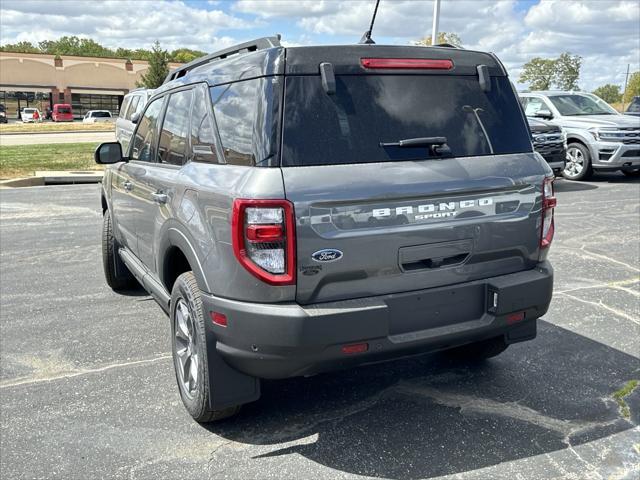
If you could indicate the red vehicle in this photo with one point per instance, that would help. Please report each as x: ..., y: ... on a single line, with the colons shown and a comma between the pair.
x: 62, y: 113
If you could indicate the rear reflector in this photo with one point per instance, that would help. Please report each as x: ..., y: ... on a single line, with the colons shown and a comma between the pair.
x: 515, y: 317
x: 407, y: 63
x: 219, y: 319
x: 355, y: 348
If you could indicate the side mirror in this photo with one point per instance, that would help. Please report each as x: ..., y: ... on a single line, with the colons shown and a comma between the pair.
x: 543, y: 114
x: 135, y: 117
x: 108, y: 153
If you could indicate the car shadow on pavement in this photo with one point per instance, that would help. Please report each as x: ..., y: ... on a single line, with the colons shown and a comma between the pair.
x: 427, y: 416
x: 570, y: 186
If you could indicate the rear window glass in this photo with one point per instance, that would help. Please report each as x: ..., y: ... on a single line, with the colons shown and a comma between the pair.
x: 100, y: 114
x: 366, y: 110
x: 64, y: 110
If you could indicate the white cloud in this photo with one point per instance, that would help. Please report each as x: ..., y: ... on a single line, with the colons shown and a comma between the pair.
x: 134, y: 24
x: 606, y: 33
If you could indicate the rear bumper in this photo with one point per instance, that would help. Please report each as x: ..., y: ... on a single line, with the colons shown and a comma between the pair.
x: 286, y: 340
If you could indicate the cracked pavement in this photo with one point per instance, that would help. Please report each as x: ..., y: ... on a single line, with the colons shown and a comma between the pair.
x: 87, y: 388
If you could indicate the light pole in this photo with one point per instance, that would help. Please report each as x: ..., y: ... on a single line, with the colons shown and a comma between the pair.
x: 436, y: 18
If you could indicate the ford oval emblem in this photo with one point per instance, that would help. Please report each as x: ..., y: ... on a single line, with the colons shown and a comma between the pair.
x: 327, y: 255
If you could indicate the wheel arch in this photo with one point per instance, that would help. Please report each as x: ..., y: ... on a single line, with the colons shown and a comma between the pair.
x: 178, y: 255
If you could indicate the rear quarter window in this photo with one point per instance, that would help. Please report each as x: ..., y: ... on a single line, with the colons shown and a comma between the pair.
x: 247, y: 117
x: 348, y: 126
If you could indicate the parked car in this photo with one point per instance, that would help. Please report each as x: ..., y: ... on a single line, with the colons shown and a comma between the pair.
x: 3, y: 114
x: 97, y: 116
x: 62, y: 113
x: 243, y: 204
x: 550, y: 141
x: 28, y: 115
x: 634, y: 107
x: 133, y: 104
x: 598, y: 137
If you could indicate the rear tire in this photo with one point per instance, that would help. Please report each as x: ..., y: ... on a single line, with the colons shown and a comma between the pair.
x: 116, y: 272
x: 479, y: 351
x: 578, y: 165
x: 189, y: 348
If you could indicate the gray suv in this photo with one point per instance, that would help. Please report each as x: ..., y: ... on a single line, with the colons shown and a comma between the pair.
x: 299, y: 210
x: 598, y: 137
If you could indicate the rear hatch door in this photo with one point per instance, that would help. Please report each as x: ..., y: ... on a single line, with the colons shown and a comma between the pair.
x: 374, y: 219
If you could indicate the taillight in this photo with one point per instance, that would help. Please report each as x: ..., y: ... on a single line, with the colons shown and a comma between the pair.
x: 548, y: 204
x: 407, y: 63
x: 263, y: 234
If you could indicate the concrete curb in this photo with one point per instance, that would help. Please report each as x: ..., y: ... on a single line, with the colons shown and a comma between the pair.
x: 54, y: 178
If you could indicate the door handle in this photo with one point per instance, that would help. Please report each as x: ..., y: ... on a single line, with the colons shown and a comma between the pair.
x: 159, y: 197
x: 127, y: 185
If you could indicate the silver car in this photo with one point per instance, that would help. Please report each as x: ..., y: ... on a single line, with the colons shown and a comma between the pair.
x: 133, y: 104
x: 598, y: 137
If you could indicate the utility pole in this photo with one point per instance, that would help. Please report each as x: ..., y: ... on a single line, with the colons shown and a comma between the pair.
x: 626, y: 79
x: 436, y: 18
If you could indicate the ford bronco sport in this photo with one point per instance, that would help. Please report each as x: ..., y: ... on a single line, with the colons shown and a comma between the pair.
x: 298, y: 210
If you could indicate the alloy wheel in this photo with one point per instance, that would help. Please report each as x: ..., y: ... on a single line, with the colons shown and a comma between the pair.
x: 187, y: 349
x: 575, y: 162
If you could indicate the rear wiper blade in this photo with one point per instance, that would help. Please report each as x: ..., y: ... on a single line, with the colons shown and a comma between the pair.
x: 416, y: 142
x: 436, y: 145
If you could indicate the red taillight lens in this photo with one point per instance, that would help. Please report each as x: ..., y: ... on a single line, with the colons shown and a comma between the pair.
x: 263, y: 234
x: 407, y: 63
x: 549, y: 202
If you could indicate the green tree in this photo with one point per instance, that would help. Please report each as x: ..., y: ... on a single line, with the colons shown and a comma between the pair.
x: 567, y: 71
x: 443, y: 37
x: 20, y: 47
x: 158, y: 68
x: 543, y: 73
x: 185, y: 55
x: 633, y: 87
x: 539, y: 73
x: 609, y: 93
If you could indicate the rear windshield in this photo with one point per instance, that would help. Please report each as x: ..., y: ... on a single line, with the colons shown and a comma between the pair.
x: 348, y: 126
x: 64, y: 110
x: 29, y: 110
x: 100, y: 114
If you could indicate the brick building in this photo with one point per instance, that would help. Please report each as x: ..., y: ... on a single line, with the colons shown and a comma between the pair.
x: 87, y: 83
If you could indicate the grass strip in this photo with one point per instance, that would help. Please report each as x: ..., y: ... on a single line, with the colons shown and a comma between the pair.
x: 55, y: 127
x: 23, y: 160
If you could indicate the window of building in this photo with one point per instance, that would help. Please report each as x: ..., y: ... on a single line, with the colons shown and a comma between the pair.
x: 143, y: 148
x: 173, y: 137
x: 203, y: 138
x: 83, y: 102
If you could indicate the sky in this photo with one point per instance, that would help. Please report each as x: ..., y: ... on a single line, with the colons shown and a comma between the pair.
x: 606, y: 33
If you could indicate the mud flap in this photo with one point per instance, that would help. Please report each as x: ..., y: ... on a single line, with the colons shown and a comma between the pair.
x: 228, y: 386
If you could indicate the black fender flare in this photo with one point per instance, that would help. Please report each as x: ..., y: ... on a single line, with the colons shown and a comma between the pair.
x: 174, y: 234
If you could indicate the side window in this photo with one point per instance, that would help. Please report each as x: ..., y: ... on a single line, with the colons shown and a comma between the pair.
x: 533, y: 105
x: 143, y: 145
x: 203, y: 138
x: 235, y: 109
x: 173, y: 136
x: 134, y: 106
x: 140, y: 106
x: 123, y: 107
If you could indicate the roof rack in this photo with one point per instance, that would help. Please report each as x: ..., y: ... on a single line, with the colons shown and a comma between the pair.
x: 246, y: 47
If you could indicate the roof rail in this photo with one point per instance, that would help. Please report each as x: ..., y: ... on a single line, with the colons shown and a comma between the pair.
x: 246, y: 47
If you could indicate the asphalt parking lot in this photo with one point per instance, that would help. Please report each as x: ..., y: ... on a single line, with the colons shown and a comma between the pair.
x: 87, y: 388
